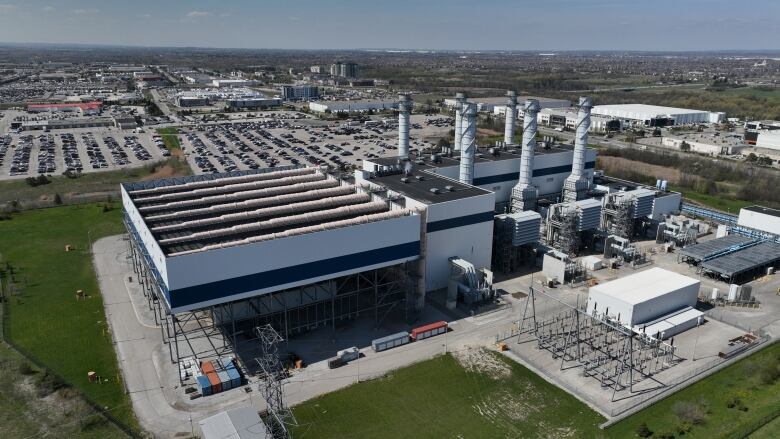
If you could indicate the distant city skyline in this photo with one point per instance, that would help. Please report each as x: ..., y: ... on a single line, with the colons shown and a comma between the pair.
x: 550, y: 25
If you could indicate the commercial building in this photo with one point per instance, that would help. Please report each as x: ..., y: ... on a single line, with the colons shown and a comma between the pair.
x: 567, y: 118
x: 192, y: 101
x: 653, y: 115
x: 84, y: 108
x: 352, y: 106
x: 80, y: 122
x: 726, y: 144
x: 344, y: 69
x: 125, y: 123
x: 253, y: 102
x: 497, y: 105
x: 232, y: 82
x: 300, y: 92
x: 656, y: 302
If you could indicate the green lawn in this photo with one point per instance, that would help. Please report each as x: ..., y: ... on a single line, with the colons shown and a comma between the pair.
x: 170, y: 137
x: 747, y: 380
x: 89, y: 183
x: 438, y: 398
x: 728, y: 205
x: 768, y: 431
x: 44, y: 318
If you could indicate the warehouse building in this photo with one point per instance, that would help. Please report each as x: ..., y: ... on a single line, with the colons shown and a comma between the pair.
x: 497, y: 105
x: 653, y: 115
x: 352, y: 106
x: 768, y: 139
x: 707, y: 144
x: 83, y: 108
x: 567, y: 118
x: 253, y: 103
x: 656, y: 302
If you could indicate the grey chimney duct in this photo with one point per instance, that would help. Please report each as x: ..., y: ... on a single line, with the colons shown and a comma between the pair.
x: 460, y: 98
x: 576, y: 185
x: 404, y: 109
x: 468, y: 143
x: 524, y: 194
x: 511, y: 117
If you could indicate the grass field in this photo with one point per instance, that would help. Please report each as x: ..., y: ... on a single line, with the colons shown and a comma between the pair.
x: 723, y: 204
x: 439, y: 398
x: 170, y: 137
x: 702, y: 408
x: 89, y: 184
x: 44, y: 318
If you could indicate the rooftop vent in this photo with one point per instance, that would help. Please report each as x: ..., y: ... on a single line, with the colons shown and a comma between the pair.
x: 434, y: 190
x: 419, y: 177
x: 405, y: 180
x: 450, y: 188
x: 420, y: 161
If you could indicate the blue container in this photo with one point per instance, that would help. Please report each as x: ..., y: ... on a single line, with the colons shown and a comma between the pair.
x: 226, y: 362
x: 204, y: 385
x: 227, y: 383
x: 235, y: 377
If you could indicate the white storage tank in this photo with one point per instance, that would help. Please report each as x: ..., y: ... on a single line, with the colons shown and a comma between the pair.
x: 643, y: 296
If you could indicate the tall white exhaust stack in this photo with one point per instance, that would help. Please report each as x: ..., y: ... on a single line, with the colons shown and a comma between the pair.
x: 460, y: 99
x: 576, y: 185
x: 524, y: 194
x: 404, y: 109
x: 511, y: 117
x: 468, y: 143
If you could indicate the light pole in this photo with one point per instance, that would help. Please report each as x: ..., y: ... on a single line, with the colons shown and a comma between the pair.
x: 696, y: 340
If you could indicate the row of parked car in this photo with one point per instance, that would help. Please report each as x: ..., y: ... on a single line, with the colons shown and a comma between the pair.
x: 20, y: 163
x: 96, y: 158
x: 46, y: 150
x: 70, y: 153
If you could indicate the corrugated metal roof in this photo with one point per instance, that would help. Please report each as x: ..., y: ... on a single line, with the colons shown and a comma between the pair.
x: 645, y: 285
x: 744, y: 260
x: 701, y: 250
x: 240, y: 423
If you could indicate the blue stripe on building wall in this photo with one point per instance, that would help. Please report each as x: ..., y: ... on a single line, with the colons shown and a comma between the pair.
x: 460, y: 221
x: 501, y: 178
x: 296, y: 273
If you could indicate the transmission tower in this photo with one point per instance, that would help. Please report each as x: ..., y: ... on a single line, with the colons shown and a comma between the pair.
x: 279, y: 415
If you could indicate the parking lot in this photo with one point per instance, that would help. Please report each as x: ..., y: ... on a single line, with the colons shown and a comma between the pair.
x: 32, y: 153
x: 232, y: 146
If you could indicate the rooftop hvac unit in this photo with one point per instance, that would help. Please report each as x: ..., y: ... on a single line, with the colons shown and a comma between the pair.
x: 524, y: 226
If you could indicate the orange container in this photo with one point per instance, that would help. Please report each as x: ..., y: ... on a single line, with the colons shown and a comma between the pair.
x: 216, y: 384
x: 207, y: 367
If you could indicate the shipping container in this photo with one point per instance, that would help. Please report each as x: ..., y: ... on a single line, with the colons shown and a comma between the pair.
x: 224, y: 378
x: 235, y: 377
x: 216, y: 386
x: 391, y: 341
x: 204, y: 385
x: 334, y: 363
x: 226, y: 363
x: 429, y: 330
x: 207, y: 367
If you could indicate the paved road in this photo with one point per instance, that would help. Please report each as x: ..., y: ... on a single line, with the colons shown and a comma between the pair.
x: 152, y: 381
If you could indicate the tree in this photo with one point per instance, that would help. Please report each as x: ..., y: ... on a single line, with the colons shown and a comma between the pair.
x: 57, y: 199
x: 643, y: 430
x: 685, y: 146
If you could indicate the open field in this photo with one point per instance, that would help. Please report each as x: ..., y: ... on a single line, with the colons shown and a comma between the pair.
x: 439, y: 398
x: 751, y: 386
x: 86, y: 187
x: 45, y: 318
x: 29, y: 409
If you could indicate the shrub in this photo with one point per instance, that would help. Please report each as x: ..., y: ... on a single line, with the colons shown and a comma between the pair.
x: 49, y: 383
x: 643, y: 430
x: 689, y: 412
x: 26, y: 369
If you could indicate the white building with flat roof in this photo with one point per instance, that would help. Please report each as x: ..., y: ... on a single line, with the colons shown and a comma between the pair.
x: 352, y: 106
x: 654, y: 115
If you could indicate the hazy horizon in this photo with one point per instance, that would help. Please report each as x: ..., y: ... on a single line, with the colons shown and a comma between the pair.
x: 437, y: 25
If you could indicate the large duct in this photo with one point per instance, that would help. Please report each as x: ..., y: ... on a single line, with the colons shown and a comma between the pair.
x: 524, y: 193
x: 468, y: 143
x: 404, y: 109
x: 460, y: 99
x: 511, y: 117
x: 576, y: 185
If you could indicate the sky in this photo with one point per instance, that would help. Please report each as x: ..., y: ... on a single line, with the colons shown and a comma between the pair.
x: 657, y: 25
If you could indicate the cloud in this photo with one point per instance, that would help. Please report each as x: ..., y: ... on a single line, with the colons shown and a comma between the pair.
x: 197, y: 14
x: 90, y: 11
x: 6, y: 7
x: 49, y: 9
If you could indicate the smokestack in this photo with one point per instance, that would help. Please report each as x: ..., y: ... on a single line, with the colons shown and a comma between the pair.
x: 404, y: 109
x: 460, y: 98
x: 576, y: 185
x: 524, y: 194
x: 511, y: 117
x: 468, y: 143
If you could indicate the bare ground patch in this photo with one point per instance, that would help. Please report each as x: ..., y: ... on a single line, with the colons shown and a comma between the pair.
x: 480, y: 360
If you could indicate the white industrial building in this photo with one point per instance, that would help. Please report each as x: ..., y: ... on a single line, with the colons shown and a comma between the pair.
x: 760, y: 218
x: 707, y: 144
x: 656, y: 302
x: 238, y: 423
x: 253, y: 102
x: 769, y: 139
x: 653, y: 115
x: 567, y: 118
x: 232, y: 82
x: 352, y: 106
x: 497, y: 105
